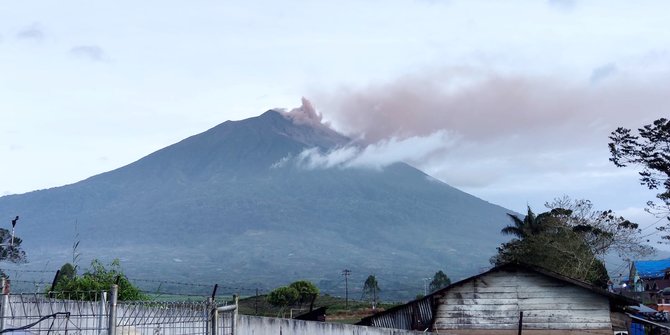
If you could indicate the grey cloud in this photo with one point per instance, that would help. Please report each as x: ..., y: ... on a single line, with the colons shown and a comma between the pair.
x: 601, y: 73
x: 501, y: 124
x: 484, y: 106
x: 90, y: 52
x: 32, y: 32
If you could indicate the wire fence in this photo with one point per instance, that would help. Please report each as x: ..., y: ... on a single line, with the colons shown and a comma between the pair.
x: 47, y: 313
x: 61, y: 313
x: 163, y: 317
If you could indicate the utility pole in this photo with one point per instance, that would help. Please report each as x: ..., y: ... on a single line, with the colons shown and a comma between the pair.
x: 346, y: 273
x: 425, y: 286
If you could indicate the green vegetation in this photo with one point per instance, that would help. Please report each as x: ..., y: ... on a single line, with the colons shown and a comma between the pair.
x: 440, y: 280
x: 337, y: 312
x: 571, y: 239
x: 66, y: 273
x: 96, y: 279
x: 307, y: 291
x: 371, y: 290
x: 297, y: 293
x: 10, y: 250
x: 283, y: 297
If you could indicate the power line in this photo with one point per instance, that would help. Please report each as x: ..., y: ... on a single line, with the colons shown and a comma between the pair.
x: 652, y: 224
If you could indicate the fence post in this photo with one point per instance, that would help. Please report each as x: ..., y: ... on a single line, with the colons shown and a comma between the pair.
x: 5, y: 303
x: 234, y: 320
x: 214, y: 319
x: 112, y: 309
x: 102, y: 313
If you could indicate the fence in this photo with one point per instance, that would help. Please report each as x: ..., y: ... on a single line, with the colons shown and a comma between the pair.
x: 59, y: 314
x: 257, y: 325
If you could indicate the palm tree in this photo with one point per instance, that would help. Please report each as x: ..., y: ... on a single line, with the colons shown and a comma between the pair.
x: 370, y: 289
x: 530, y: 225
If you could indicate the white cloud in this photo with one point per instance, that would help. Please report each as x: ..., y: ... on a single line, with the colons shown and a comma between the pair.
x: 377, y: 155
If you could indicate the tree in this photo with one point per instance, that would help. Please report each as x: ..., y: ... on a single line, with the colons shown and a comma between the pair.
x: 440, y: 280
x: 96, y: 279
x: 602, y: 230
x: 307, y: 291
x: 522, y: 228
x: 283, y: 297
x: 572, y: 241
x: 67, y: 273
x: 561, y: 251
x: 370, y: 290
x: 10, y: 248
x: 649, y: 149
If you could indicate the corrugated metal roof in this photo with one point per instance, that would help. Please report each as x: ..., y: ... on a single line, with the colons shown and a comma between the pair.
x: 652, y: 269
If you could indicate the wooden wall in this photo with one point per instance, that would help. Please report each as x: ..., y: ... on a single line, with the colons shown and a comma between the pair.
x: 495, y: 300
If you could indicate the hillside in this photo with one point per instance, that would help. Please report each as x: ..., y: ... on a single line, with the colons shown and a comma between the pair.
x: 216, y: 207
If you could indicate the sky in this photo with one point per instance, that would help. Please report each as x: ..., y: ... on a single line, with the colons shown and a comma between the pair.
x: 510, y: 101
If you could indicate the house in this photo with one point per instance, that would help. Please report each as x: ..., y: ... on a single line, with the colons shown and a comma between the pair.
x: 650, y: 282
x: 512, y: 297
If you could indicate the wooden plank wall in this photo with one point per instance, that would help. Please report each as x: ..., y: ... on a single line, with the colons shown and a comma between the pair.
x: 494, y: 301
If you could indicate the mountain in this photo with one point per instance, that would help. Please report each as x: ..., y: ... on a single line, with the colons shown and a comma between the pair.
x: 231, y: 205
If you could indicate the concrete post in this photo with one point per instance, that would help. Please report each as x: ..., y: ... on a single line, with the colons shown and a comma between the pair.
x: 4, y: 304
x: 234, y: 320
x: 114, y: 294
x: 102, y: 313
x: 214, y: 320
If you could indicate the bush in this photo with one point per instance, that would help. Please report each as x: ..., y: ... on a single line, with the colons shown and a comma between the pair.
x: 96, y: 279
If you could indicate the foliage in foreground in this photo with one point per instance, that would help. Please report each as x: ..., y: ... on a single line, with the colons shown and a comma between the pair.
x: 649, y: 149
x: 96, y: 279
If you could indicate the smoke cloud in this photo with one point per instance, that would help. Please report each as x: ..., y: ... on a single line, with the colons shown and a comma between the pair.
x: 502, y: 135
x: 488, y: 107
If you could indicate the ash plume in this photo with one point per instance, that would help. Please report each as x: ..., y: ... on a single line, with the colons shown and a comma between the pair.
x: 360, y: 154
x: 304, y: 115
x: 504, y: 130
